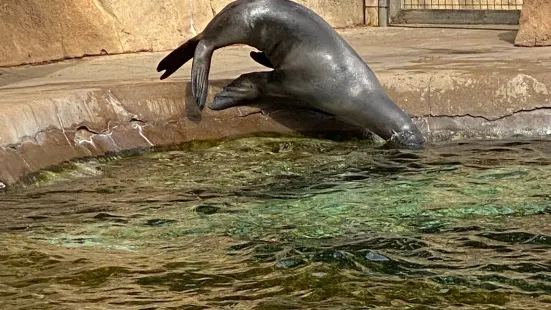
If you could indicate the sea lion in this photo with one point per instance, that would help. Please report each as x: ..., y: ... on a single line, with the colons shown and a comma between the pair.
x: 312, y: 65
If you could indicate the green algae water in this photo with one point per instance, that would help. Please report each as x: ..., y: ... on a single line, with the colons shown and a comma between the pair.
x: 285, y: 223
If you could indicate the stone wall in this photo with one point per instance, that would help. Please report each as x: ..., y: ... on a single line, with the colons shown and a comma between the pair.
x: 33, y: 31
x: 535, y: 24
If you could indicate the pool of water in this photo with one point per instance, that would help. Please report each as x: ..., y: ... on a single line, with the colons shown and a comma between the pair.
x: 285, y: 223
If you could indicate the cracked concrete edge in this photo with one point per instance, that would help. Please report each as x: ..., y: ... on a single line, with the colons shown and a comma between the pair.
x: 96, y: 121
x: 491, y: 95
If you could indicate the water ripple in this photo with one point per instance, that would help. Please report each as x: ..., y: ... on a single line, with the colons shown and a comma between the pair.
x: 285, y: 223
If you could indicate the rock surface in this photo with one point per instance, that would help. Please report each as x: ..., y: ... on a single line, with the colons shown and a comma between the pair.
x: 34, y: 31
x: 535, y: 24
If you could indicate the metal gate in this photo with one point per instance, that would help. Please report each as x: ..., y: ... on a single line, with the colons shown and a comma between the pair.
x: 456, y: 11
x: 462, y: 4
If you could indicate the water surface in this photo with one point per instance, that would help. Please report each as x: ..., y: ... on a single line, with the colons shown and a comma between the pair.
x: 285, y: 223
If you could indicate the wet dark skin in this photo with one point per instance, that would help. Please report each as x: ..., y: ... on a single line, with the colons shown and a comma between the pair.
x: 312, y: 66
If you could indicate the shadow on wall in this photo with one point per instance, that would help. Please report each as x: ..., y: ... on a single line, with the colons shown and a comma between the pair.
x: 508, y: 36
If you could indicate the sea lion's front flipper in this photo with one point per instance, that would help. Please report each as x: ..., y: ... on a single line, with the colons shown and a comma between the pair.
x: 200, y: 73
x: 262, y: 59
x: 241, y: 91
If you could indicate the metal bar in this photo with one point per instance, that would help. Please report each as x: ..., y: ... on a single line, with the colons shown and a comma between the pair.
x: 383, y: 13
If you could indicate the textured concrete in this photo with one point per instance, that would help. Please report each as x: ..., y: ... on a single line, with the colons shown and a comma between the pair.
x: 33, y: 31
x: 458, y: 83
x: 535, y: 24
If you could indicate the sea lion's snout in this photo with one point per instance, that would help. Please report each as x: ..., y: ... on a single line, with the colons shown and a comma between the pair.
x: 410, y: 138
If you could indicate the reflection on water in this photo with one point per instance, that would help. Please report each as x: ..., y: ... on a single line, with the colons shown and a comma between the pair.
x: 285, y: 223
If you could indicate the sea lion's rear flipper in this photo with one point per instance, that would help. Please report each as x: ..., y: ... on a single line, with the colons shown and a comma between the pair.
x: 262, y: 59
x: 200, y: 73
x: 241, y: 91
x: 177, y: 58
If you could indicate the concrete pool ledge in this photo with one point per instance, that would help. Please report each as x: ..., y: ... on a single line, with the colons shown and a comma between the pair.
x: 457, y: 83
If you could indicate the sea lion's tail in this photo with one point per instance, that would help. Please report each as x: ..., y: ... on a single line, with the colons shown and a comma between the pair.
x: 178, y: 57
